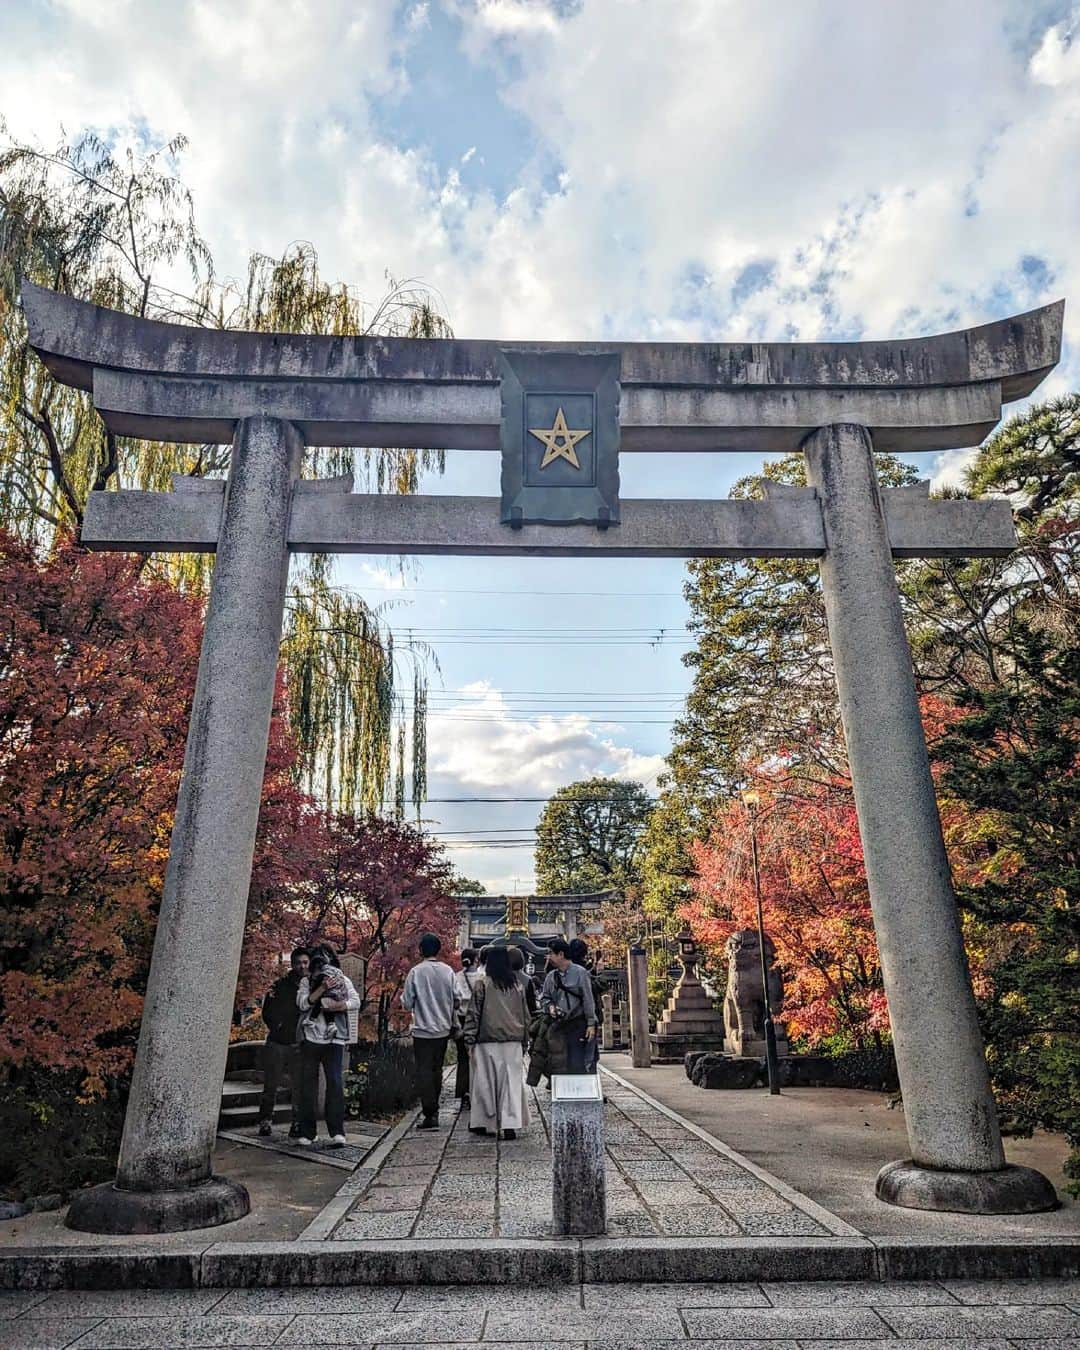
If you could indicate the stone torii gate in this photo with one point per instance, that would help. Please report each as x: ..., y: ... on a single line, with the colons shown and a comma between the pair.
x: 270, y: 394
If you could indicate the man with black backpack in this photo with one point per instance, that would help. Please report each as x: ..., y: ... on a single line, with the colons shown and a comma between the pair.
x: 567, y: 998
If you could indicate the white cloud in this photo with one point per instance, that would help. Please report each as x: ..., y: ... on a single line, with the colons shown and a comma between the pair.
x: 480, y: 748
x: 738, y: 171
x: 481, y: 744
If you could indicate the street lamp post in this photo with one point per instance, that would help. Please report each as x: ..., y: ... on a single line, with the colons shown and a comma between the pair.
x: 750, y: 800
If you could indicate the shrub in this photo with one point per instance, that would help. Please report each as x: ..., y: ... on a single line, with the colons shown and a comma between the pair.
x: 382, y: 1080
x: 76, y: 1141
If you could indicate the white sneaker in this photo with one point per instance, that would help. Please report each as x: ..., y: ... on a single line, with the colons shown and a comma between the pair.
x: 305, y: 1143
x: 338, y: 1140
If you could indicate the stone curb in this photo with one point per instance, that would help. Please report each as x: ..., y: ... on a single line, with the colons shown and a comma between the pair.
x: 515, y: 1261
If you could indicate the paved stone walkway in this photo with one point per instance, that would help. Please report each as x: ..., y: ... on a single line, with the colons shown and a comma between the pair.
x: 946, y: 1316
x: 663, y: 1179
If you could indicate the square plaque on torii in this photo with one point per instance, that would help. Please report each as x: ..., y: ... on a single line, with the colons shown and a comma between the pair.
x: 560, y: 438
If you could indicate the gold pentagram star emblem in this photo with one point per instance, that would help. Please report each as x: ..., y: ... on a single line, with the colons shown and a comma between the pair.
x: 560, y: 441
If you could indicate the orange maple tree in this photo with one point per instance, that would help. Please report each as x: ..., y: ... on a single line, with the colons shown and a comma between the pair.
x: 97, y: 674
x: 815, y: 904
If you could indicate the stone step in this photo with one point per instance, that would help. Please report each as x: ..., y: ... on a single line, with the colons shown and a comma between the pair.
x: 691, y: 1026
x: 226, y: 1264
x: 247, y: 1094
x: 234, y: 1117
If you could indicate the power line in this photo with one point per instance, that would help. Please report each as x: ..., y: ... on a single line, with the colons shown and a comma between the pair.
x: 444, y: 590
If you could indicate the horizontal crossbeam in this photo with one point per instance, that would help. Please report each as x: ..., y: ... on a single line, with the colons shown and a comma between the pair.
x: 466, y: 416
x: 75, y: 338
x: 787, y: 524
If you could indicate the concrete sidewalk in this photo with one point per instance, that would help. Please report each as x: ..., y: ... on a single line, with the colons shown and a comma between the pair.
x: 828, y: 1144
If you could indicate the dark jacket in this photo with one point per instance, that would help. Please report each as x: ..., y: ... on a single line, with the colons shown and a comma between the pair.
x: 279, y: 1010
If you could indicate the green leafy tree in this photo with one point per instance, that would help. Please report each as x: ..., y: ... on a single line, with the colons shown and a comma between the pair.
x: 997, y: 638
x: 763, y: 682
x: 120, y: 231
x: 462, y: 885
x: 1014, y: 755
x: 590, y: 837
x: 667, y: 867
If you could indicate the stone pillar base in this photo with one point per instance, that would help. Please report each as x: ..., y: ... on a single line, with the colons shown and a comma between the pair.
x: 108, y: 1209
x: 579, y: 1199
x: 1009, y: 1190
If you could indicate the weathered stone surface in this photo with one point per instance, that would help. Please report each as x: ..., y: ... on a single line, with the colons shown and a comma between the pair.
x: 950, y: 1113
x: 171, y: 1119
x: 727, y: 1071
x: 73, y: 337
x: 198, y: 1333
x: 772, y: 1323
x: 442, y: 415
x: 872, y: 1069
x: 1024, y: 1322
x: 343, y: 522
x: 681, y: 1258
x: 37, y: 1268
x: 912, y: 1258
x: 690, y: 1021
x: 1008, y: 1190
x: 744, y: 999
x: 42, y: 1204
x: 637, y: 979
x: 13, y: 1209
x: 110, y: 1208
x: 578, y: 1196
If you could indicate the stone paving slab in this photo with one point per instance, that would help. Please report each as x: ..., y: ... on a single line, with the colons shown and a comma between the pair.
x: 126, y: 1303
x: 362, y: 1139
x: 44, y: 1334
x: 1025, y: 1321
x: 778, y: 1323
x: 799, y: 1315
x: 663, y: 1181
x: 1065, y: 1291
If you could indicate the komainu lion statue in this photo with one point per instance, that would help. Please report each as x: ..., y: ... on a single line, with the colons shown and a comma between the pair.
x: 744, y: 1000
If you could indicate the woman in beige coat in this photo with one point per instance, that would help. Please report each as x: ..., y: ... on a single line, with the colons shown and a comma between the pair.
x: 497, y: 1031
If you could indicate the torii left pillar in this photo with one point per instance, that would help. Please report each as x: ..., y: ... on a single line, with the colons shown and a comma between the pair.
x: 164, y: 1181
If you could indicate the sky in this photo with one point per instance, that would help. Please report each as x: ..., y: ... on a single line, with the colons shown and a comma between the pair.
x: 612, y: 169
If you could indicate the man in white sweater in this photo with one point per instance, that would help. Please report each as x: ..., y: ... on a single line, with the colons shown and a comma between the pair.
x: 429, y: 996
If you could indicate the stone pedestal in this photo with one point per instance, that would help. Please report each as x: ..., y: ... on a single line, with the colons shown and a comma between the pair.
x: 607, y: 1031
x: 637, y: 978
x: 164, y: 1180
x: 689, y: 1022
x: 578, y: 1197
x: 951, y: 1119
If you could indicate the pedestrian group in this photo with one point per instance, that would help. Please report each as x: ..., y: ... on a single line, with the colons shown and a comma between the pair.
x: 490, y: 1009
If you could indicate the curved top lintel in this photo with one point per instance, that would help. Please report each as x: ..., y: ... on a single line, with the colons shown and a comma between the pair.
x: 73, y: 337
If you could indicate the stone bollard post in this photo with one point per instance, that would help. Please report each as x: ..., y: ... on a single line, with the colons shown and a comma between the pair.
x: 607, y: 1031
x: 957, y: 1160
x: 637, y: 972
x: 164, y: 1181
x: 578, y: 1196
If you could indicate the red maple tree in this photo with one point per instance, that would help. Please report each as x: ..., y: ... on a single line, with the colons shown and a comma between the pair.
x: 380, y: 886
x: 97, y: 674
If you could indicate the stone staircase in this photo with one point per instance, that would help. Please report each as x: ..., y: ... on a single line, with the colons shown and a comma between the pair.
x: 242, y: 1089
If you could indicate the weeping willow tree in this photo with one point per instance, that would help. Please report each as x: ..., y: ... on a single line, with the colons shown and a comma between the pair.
x: 118, y: 229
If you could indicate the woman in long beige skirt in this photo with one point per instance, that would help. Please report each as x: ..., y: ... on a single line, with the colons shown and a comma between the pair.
x: 496, y: 1031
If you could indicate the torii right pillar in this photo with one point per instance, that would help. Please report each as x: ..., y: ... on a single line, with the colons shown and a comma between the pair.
x: 957, y: 1162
